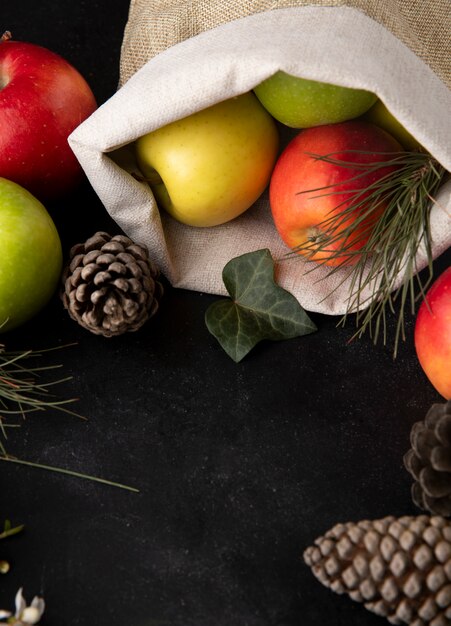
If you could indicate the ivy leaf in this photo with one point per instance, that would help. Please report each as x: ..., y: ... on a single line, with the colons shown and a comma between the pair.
x: 258, y: 309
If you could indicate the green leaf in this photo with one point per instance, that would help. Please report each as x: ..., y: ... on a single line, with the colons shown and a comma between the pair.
x: 258, y: 309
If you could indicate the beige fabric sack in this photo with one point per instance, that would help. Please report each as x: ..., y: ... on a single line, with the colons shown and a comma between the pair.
x: 180, y: 56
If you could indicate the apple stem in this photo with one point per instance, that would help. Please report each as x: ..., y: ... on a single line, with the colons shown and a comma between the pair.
x: 315, y: 234
x: 6, y: 36
x: 154, y: 179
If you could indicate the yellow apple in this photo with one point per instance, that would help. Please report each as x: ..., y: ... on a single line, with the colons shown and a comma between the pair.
x: 381, y: 116
x: 209, y: 167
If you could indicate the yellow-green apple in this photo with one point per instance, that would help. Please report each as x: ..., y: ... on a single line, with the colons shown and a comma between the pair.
x: 302, y: 103
x: 30, y: 258
x: 43, y: 98
x: 209, y: 167
x: 379, y: 114
x: 432, y: 336
x: 306, y: 191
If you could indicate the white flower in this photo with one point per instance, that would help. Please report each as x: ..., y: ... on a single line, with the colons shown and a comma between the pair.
x: 25, y: 615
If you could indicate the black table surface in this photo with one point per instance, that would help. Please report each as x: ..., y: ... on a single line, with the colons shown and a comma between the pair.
x: 239, y: 466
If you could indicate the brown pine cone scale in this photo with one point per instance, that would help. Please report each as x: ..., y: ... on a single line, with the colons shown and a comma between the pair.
x: 399, y: 568
x: 110, y: 285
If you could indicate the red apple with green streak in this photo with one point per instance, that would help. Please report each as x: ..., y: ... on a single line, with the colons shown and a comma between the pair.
x: 306, y: 191
x: 43, y: 98
x: 433, y: 334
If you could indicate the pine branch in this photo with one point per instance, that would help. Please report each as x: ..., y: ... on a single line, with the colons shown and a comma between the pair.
x: 388, y: 243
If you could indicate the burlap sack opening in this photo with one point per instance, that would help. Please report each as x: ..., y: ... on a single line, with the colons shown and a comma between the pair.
x: 339, y: 45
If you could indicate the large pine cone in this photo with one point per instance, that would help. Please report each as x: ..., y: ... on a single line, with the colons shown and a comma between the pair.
x: 110, y: 286
x: 429, y: 460
x: 400, y: 568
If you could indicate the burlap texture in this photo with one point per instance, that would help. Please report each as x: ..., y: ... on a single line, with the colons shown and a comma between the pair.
x: 339, y: 44
x: 155, y: 25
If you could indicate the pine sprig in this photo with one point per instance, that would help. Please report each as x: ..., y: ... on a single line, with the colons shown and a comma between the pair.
x: 23, y: 392
x: 379, y: 247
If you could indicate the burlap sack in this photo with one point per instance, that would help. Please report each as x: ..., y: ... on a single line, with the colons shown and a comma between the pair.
x: 181, y: 56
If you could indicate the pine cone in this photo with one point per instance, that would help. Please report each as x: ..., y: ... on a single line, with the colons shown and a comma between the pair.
x: 110, y: 286
x: 400, y: 568
x: 429, y: 460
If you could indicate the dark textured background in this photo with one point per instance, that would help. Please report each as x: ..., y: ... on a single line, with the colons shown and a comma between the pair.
x: 239, y: 466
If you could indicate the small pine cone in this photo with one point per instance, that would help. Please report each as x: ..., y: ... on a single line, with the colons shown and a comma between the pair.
x: 110, y: 286
x: 399, y: 568
x: 429, y: 460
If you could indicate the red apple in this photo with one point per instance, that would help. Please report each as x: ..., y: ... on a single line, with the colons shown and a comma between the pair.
x: 433, y: 334
x: 299, y: 212
x: 42, y: 100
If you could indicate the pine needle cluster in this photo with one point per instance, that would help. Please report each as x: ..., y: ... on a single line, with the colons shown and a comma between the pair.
x: 382, y: 272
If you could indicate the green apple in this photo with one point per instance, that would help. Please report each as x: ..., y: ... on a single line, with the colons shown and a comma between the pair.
x: 301, y: 103
x: 30, y: 257
x: 379, y: 114
x: 209, y: 167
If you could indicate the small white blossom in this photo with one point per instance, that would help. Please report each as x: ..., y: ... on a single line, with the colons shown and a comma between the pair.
x: 25, y: 615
